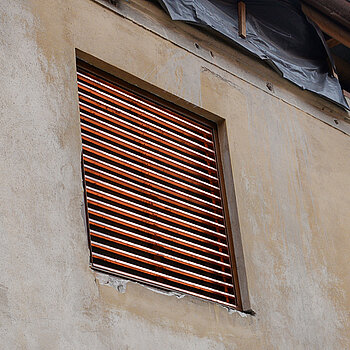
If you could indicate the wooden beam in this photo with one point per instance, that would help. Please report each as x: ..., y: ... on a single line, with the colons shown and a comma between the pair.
x: 331, y: 69
x: 242, y: 27
x: 332, y: 43
x: 343, y: 69
x: 328, y: 26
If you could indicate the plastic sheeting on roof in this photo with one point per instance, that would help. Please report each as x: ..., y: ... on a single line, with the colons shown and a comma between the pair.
x: 277, y: 32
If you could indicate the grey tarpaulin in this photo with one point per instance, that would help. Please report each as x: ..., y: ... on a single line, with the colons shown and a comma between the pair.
x: 277, y: 31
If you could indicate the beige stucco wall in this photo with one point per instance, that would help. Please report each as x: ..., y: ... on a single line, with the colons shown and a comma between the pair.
x: 290, y: 166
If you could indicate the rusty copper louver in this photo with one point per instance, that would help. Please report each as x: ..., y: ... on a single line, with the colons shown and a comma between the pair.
x: 154, y: 206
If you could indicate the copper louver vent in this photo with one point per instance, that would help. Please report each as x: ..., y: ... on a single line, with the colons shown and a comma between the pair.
x: 154, y: 205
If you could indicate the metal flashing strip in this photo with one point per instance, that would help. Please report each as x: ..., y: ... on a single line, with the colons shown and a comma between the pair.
x: 152, y: 186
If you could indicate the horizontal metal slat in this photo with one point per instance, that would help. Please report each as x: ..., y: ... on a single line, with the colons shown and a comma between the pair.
x: 158, y: 185
x: 162, y: 234
x: 115, y: 149
x: 131, y: 136
x: 184, y: 248
x: 169, y: 180
x: 146, y: 152
x: 160, y: 264
x: 148, y: 191
x: 143, y: 112
x: 107, y: 116
x: 156, y: 223
x: 143, y: 103
x: 149, y: 210
x: 154, y: 242
x: 108, y: 107
x: 159, y: 274
x: 153, y: 202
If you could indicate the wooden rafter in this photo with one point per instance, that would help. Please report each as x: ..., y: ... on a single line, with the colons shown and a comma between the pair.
x: 328, y: 26
x: 332, y: 43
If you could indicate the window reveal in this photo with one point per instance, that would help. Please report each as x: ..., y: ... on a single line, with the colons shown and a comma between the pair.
x: 152, y: 185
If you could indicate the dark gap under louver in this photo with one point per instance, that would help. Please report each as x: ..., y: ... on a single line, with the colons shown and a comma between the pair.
x: 154, y: 206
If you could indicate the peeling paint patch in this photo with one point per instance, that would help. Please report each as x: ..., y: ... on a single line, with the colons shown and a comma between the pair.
x: 233, y: 311
x: 165, y: 292
x: 120, y: 285
x: 117, y: 283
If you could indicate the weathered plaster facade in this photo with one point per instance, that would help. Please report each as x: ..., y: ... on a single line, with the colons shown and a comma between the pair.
x: 289, y: 152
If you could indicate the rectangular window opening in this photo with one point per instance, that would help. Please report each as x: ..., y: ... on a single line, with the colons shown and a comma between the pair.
x: 154, y: 200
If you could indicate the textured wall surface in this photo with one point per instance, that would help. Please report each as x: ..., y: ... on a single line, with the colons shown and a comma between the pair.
x: 290, y: 165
